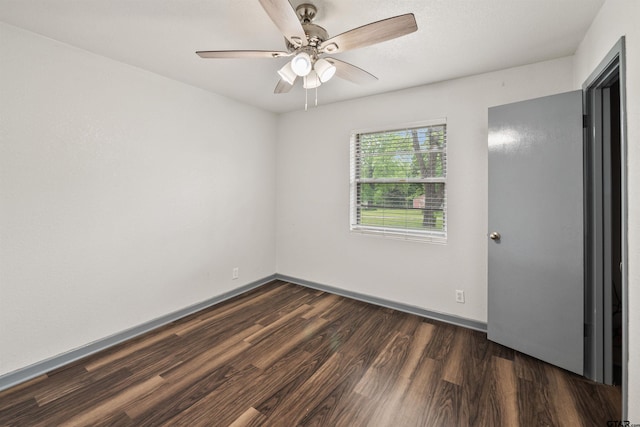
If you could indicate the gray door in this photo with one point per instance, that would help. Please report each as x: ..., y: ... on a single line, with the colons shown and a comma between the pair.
x: 536, y: 291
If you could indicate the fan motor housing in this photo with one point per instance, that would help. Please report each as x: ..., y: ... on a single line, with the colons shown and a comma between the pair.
x: 315, y: 35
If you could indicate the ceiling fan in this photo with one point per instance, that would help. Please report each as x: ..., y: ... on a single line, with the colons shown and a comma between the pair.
x: 308, y: 44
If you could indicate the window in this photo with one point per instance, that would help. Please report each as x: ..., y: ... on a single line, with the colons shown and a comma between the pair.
x: 398, y: 182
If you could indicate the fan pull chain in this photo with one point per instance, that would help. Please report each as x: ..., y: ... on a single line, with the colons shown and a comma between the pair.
x: 305, y: 98
x: 316, y: 96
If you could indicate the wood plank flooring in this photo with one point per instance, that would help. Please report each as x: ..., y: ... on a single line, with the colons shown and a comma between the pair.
x: 285, y: 355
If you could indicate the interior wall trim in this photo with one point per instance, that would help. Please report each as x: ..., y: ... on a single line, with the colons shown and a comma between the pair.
x: 447, y: 318
x: 39, y: 368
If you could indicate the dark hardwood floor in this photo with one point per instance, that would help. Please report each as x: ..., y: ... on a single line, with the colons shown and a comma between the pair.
x: 285, y: 355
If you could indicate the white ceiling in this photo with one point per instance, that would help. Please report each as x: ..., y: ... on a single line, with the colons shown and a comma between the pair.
x: 455, y: 38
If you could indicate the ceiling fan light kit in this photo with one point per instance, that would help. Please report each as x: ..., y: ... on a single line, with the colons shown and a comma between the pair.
x: 311, y: 80
x: 307, y: 42
x: 287, y: 74
x: 325, y: 69
x: 301, y: 64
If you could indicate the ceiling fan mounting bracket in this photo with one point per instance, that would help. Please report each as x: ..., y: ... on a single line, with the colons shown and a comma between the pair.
x: 306, y: 12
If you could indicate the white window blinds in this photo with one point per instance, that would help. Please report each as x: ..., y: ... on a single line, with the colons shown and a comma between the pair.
x: 398, y: 182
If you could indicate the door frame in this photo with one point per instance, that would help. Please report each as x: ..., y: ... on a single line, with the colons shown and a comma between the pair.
x: 597, y: 293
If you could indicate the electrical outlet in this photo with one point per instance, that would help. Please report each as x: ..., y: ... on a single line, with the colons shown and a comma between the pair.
x: 236, y: 273
x: 460, y: 296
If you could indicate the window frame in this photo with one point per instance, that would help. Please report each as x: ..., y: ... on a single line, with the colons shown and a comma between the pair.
x: 427, y: 236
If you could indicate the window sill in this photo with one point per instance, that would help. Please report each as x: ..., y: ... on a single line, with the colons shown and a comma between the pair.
x: 399, y: 234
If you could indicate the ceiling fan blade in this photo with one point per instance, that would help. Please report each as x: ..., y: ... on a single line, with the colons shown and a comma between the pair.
x: 369, y: 34
x: 350, y: 72
x: 240, y: 54
x: 283, y: 87
x: 286, y: 19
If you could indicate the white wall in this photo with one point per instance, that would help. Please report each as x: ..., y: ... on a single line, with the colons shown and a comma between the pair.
x: 313, y: 237
x: 621, y: 18
x: 124, y: 196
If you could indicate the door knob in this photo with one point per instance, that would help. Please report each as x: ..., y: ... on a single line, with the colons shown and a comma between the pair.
x: 495, y: 235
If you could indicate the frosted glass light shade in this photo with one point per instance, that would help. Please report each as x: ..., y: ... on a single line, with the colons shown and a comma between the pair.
x: 301, y: 64
x: 286, y: 73
x: 325, y: 69
x: 312, y: 80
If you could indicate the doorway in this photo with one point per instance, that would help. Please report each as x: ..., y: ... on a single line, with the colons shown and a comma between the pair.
x: 606, y: 222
